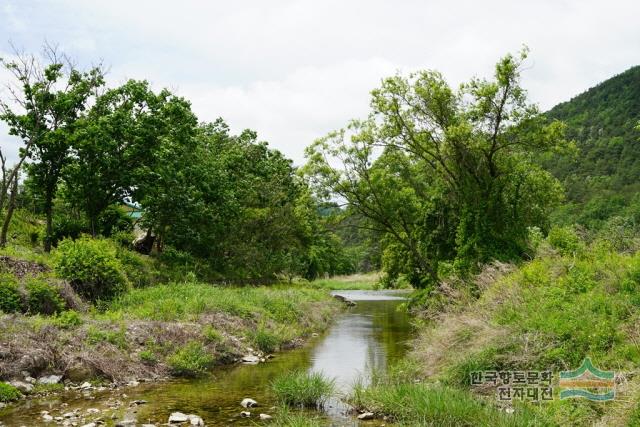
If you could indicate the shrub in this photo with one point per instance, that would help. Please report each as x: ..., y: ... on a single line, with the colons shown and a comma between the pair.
x: 68, y: 319
x: 148, y: 357
x: 112, y: 220
x: 92, y: 268
x: 565, y: 240
x: 138, y: 269
x: 303, y: 389
x: 212, y: 335
x: 117, y: 338
x: 8, y: 392
x: 43, y: 297
x: 10, y: 300
x: 47, y: 388
x: 192, y: 360
x: 263, y: 339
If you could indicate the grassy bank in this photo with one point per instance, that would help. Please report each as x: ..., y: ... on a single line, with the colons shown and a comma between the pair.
x: 574, y: 300
x: 368, y: 281
x: 180, y: 328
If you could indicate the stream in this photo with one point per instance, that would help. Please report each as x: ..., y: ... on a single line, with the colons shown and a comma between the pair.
x: 370, y: 336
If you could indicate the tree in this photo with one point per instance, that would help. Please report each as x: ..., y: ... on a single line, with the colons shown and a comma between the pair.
x: 47, y: 101
x: 114, y: 146
x: 446, y: 175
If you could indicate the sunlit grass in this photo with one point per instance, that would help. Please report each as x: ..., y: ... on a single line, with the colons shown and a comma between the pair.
x: 299, y: 388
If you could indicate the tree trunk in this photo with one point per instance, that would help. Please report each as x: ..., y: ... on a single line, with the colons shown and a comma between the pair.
x: 49, y: 233
x: 10, y: 208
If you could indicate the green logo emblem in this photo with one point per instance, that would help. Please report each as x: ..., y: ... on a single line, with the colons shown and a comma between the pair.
x: 587, y: 381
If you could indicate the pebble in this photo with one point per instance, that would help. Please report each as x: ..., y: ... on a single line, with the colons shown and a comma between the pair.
x: 178, y: 417
x: 245, y: 414
x: 248, y: 403
x: 366, y: 416
x: 265, y: 417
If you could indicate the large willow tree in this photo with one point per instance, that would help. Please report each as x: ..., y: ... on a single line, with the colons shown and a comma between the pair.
x: 444, y: 174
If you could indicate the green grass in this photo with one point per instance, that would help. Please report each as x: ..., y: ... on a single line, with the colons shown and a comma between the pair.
x: 8, y: 392
x: 286, y: 417
x: 118, y: 338
x: 189, y: 301
x: 549, y: 314
x: 368, y: 281
x: 47, y: 388
x: 304, y: 389
x: 192, y: 360
x: 425, y: 405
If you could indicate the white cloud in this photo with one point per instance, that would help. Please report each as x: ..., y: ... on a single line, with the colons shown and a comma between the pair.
x: 295, y: 69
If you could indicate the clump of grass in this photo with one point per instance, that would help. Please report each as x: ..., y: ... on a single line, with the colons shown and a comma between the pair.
x: 303, y: 389
x: 265, y: 340
x: 67, y: 319
x: 148, y: 357
x: 47, y: 388
x: 192, y: 360
x: 8, y: 393
x: 285, y: 417
x: 117, y: 338
x: 212, y: 335
x: 368, y: 281
x: 422, y: 404
x: 10, y: 300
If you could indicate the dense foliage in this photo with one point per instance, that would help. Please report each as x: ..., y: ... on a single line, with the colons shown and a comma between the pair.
x: 92, y: 268
x: 603, y: 178
x: 443, y: 176
x: 226, y: 206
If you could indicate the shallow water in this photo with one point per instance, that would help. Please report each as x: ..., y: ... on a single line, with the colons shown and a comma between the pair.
x: 371, y: 335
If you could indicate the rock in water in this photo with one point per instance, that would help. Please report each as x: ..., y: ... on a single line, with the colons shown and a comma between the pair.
x: 265, y: 417
x: 250, y: 359
x: 50, y: 379
x: 195, y: 420
x: 248, y: 403
x: 366, y: 416
x: 178, y: 417
x: 245, y: 414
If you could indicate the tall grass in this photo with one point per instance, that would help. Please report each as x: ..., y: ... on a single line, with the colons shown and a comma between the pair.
x: 188, y: 301
x: 426, y: 405
x: 304, y: 389
x: 368, y: 281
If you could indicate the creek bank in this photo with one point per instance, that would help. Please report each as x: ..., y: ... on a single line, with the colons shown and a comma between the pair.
x: 123, y: 347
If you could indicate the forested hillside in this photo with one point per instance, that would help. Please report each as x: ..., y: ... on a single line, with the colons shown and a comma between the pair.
x: 603, y: 176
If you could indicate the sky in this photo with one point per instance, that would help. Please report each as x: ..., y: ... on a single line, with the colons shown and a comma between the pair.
x: 294, y: 70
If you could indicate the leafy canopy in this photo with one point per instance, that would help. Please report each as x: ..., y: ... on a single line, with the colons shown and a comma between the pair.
x: 445, y: 175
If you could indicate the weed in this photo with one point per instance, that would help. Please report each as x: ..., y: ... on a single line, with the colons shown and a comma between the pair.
x: 8, y: 392
x: 192, y: 360
x: 303, y: 389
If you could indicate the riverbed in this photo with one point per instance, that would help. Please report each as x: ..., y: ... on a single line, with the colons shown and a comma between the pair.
x: 369, y: 336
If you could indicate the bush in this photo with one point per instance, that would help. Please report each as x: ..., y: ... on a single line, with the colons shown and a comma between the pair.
x: 117, y: 338
x: 303, y: 389
x: 10, y: 300
x: 112, y: 220
x: 148, y: 357
x: 68, y: 319
x: 192, y: 360
x: 43, y: 297
x: 8, y: 392
x: 92, y: 268
x: 265, y: 340
x: 212, y: 335
x: 138, y: 269
x: 565, y: 240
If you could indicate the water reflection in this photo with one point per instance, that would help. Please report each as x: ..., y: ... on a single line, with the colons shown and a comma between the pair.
x: 367, y: 337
